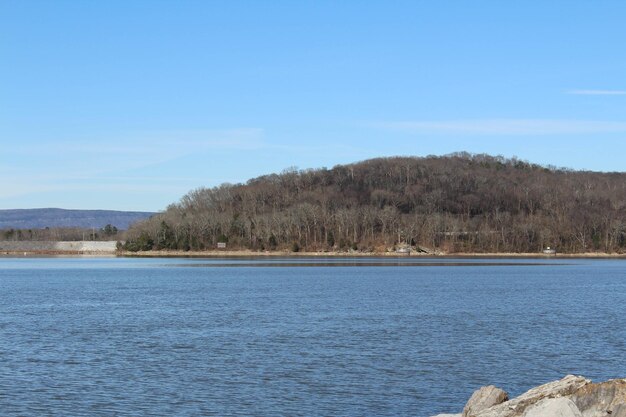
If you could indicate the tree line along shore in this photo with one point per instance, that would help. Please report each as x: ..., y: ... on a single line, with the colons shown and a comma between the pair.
x: 455, y: 204
x: 459, y: 204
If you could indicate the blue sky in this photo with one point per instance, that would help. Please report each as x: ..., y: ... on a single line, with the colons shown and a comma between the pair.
x: 130, y: 104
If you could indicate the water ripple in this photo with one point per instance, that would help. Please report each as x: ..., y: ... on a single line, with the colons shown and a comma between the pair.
x: 155, y: 340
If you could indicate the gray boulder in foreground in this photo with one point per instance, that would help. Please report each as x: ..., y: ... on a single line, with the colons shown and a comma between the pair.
x: 572, y: 396
x: 553, y: 407
x: 595, y: 400
x: 484, y: 398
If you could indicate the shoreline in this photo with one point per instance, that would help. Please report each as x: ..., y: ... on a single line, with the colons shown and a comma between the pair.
x: 276, y: 254
x: 287, y: 254
x: 43, y: 254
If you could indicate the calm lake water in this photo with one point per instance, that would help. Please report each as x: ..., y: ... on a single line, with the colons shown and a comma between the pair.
x: 293, y: 337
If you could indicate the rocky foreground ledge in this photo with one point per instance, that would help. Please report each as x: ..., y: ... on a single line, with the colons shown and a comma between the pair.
x: 572, y: 396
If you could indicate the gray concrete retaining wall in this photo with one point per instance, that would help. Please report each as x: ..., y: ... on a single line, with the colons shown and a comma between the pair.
x: 72, y: 247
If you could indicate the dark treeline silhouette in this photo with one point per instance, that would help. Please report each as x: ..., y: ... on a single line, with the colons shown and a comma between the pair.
x: 107, y: 232
x: 40, y: 218
x: 456, y: 203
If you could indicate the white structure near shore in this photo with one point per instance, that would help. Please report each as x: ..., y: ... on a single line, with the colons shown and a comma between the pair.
x: 80, y: 247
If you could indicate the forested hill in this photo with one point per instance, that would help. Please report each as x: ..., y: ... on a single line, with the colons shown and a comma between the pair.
x: 57, y: 218
x: 456, y: 203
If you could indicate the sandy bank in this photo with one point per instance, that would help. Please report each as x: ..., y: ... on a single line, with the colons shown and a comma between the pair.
x: 249, y: 253
x: 109, y: 248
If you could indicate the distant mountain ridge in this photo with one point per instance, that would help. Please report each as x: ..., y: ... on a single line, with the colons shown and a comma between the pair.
x: 56, y: 217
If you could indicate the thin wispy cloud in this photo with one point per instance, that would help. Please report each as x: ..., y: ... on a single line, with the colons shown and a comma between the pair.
x: 26, y: 188
x: 98, y: 154
x: 150, y: 143
x: 121, y: 164
x: 528, y: 127
x: 597, y: 92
